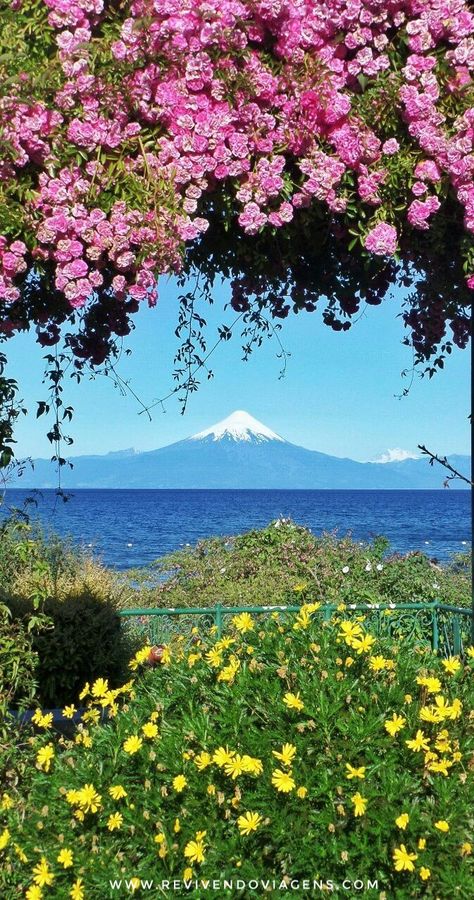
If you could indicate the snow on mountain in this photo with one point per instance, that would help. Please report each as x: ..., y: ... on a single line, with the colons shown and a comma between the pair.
x: 396, y: 454
x: 239, y: 426
x: 243, y: 454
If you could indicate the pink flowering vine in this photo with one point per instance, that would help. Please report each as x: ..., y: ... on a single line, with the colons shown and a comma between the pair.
x: 141, y: 131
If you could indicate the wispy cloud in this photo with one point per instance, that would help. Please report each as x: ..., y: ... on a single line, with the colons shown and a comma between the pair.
x: 396, y: 454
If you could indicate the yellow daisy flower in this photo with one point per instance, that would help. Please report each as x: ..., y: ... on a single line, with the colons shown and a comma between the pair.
x: 249, y: 822
x: 77, y: 890
x: 114, y: 822
x: 88, y: 799
x: 243, y: 622
x: 117, y: 792
x: 179, y: 783
x: 194, y: 851
x: 395, y: 724
x: 451, y: 665
x: 363, y: 644
x: 283, y: 781
x: 222, y: 755
x: 42, y: 875
x: 4, y: 838
x: 65, y: 858
x: 133, y: 744
x: 432, y: 685
x: 235, y: 767
x: 349, y: 631
x: 286, y: 754
x: 7, y: 802
x: 100, y: 687
x: 20, y: 853
x: 202, y: 760
x: 292, y: 701
x: 355, y: 773
x: 214, y: 658
x: 377, y: 663
x: 44, y: 757
x: 403, y: 860
x: 360, y: 804
x: 150, y: 730
x: 420, y: 742
x: 34, y: 892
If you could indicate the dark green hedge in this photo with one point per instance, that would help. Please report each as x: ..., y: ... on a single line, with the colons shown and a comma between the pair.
x: 84, y: 642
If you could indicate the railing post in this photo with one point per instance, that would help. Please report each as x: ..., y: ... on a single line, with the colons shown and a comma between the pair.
x: 435, y: 630
x: 456, y: 636
x: 218, y: 620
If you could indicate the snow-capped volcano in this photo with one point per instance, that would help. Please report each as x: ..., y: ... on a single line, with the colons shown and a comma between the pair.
x: 239, y: 453
x: 239, y: 426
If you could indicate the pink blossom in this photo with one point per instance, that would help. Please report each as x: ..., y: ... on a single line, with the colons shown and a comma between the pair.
x: 390, y: 147
x: 259, y: 101
x: 76, y: 269
x: 382, y: 240
x: 420, y: 211
x: 427, y: 170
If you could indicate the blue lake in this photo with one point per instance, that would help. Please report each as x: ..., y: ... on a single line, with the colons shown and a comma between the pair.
x: 133, y: 527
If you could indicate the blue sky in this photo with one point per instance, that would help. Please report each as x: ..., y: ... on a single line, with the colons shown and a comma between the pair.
x: 339, y: 394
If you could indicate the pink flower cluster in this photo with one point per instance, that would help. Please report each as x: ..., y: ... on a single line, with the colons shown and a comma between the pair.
x: 12, y: 256
x: 258, y: 100
x: 382, y: 239
x: 26, y: 131
x: 84, y: 241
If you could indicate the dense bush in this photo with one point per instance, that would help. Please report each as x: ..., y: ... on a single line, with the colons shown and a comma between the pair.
x: 301, y: 750
x: 18, y: 659
x: 285, y: 563
x: 59, y: 617
x: 18, y: 664
x: 33, y: 561
x: 84, y: 640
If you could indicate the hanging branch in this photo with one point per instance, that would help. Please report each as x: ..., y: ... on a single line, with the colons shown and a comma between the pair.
x: 442, y: 460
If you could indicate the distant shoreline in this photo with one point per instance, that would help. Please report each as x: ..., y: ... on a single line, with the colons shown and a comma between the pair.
x: 446, y: 491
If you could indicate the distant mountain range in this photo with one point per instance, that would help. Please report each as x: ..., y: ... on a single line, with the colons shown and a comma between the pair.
x: 240, y: 452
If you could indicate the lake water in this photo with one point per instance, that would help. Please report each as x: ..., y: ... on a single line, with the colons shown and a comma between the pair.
x: 133, y: 527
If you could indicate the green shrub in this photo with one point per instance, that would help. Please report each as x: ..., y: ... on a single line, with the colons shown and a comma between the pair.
x: 18, y: 658
x: 83, y: 640
x: 284, y: 563
x: 33, y: 561
x: 18, y: 664
x: 297, y: 750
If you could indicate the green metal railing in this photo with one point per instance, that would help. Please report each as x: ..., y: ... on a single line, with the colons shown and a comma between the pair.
x: 448, y: 629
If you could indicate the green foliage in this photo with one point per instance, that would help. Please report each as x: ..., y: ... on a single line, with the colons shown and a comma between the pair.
x: 18, y: 663
x: 84, y: 640
x: 18, y: 658
x: 11, y: 409
x: 26, y: 550
x: 285, y: 563
x: 59, y: 606
x: 233, y: 694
